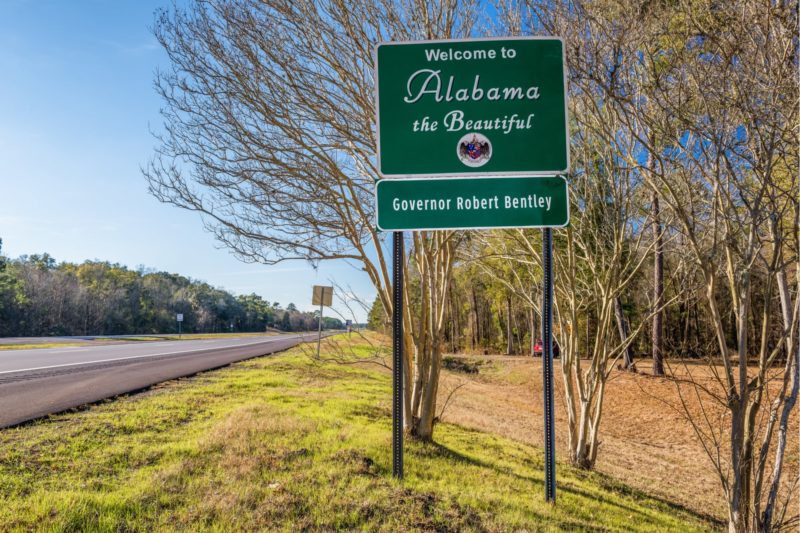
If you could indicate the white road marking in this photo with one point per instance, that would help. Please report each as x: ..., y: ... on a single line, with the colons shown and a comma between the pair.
x: 140, y: 356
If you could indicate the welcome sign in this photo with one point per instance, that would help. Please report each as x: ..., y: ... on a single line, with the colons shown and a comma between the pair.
x: 477, y: 107
x: 476, y: 130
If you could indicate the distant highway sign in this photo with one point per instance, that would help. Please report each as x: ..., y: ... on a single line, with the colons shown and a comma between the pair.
x: 322, y: 295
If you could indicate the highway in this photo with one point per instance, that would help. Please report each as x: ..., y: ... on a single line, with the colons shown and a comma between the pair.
x: 37, y: 382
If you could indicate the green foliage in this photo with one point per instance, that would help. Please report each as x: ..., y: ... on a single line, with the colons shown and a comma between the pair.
x: 286, y: 323
x: 281, y: 444
x: 39, y: 296
x: 377, y: 318
x: 329, y: 322
x: 11, y: 295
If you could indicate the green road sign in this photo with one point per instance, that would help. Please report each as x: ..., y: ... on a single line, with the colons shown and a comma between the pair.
x: 475, y: 107
x: 472, y: 203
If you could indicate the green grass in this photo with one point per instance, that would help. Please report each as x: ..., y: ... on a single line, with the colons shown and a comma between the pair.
x: 135, y: 338
x: 189, y: 336
x: 28, y: 346
x: 281, y: 443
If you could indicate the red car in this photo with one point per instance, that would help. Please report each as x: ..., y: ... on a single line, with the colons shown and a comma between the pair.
x: 538, y: 345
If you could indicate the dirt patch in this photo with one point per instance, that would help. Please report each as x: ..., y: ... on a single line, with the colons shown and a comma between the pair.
x: 645, y: 443
x: 357, y: 461
x: 434, y: 514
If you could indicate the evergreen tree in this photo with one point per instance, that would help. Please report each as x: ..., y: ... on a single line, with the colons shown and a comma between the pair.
x: 286, y: 323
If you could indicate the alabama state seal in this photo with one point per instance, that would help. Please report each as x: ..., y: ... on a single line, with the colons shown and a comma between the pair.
x: 474, y: 150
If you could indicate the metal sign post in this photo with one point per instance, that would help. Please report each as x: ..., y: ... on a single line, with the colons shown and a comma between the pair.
x: 547, y: 367
x: 321, y: 295
x: 397, y: 355
x: 179, y: 318
x: 319, y: 330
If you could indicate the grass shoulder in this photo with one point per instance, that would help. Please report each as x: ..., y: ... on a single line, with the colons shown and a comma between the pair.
x: 285, y: 443
x: 39, y: 345
x: 65, y: 342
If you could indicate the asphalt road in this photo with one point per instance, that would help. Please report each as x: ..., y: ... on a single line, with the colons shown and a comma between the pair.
x: 38, y: 382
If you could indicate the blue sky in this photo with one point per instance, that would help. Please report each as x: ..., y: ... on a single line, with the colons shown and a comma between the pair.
x: 76, y: 109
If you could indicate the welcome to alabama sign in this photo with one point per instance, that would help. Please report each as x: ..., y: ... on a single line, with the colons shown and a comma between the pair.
x: 481, y: 107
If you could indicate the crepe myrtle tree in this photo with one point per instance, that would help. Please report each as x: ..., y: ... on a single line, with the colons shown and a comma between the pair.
x: 710, y: 91
x: 597, y: 258
x: 601, y: 254
x: 269, y: 134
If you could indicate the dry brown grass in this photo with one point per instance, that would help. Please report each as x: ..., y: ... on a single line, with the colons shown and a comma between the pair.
x: 645, y: 443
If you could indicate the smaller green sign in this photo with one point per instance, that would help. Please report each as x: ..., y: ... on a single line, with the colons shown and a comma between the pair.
x: 472, y: 203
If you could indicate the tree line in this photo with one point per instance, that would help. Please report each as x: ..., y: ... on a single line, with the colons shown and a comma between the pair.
x: 486, y: 315
x: 684, y: 239
x: 41, y: 297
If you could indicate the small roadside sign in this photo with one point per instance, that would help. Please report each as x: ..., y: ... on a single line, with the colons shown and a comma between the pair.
x: 180, y: 317
x: 322, y: 295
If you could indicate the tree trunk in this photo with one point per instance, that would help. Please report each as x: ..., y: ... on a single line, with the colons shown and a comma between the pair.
x: 658, y: 289
x: 624, y: 333
x: 589, y: 314
x: 793, y: 376
x: 475, y: 329
x: 685, y: 315
x: 424, y: 429
x: 509, y: 338
x: 580, y: 455
x: 434, y: 261
x: 741, y: 466
x: 518, y: 333
x: 533, y: 330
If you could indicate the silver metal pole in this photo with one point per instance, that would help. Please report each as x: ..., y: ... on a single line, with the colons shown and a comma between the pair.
x: 319, y: 327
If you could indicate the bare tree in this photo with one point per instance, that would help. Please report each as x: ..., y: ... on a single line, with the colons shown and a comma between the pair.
x: 728, y: 174
x: 269, y: 135
x: 432, y: 266
x: 624, y: 332
x: 658, y: 287
x: 597, y: 257
x: 708, y: 93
